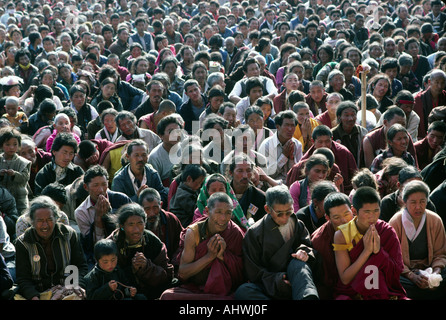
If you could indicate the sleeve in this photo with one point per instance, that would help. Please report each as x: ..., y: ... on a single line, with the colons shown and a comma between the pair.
x: 158, y: 271
x: 21, y: 177
x: 236, y: 91
x: 24, y: 281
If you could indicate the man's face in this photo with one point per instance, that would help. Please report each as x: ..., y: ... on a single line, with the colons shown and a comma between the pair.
x: 317, y: 93
x: 123, y: 36
x: 435, y: 139
x: 156, y: 94
x: 44, y: 223
x: 311, y: 33
x: 96, y: 187
x: 48, y: 46
x: 167, y: 138
x: 348, y: 119
x: 255, y: 93
x: 340, y: 215
x: 252, y: 70
x: 242, y: 174
x: 280, y: 213
x: 152, y: 209
x: 127, y: 126
x: 193, y: 92
x: 437, y: 84
x: 138, y: 158
x: 133, y: 229
x: 368, y: 215
x: 63, y: 156
x: 219, y: 216
x: 322, y: 142
x: 286, y: 130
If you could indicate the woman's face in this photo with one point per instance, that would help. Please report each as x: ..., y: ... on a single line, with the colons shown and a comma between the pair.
x: 266, y: 108
x: 317, y: 173
x: 216, y: 186
x: 108, y: 90
x: 400, y: 142
x: 78, y: 99
x: 302, y: 115
x: 337, y: 83
x: 215, y: 103
x: 110, y: 123
x: 62, y: 125
x: 416, y: 205
x: 255, y: 121
x: 65, y: 74
x: 48, y: 80
x: 323, y: 56
x: 142, y: 67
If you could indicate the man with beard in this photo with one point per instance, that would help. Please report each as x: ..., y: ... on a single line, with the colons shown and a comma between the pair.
x: 94, y: 216
x: 164, y: 224
x: 127, y: 124
x: 155, y: 91
x: 277, y: 252
x: 347, y: 132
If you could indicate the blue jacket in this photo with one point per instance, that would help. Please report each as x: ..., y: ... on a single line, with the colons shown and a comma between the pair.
x: 122, y: 183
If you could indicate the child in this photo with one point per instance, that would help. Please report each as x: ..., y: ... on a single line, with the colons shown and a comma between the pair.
x: 17, y: 118
x: 14, y: 169
x: 184, y: 201
x: 104, y: 281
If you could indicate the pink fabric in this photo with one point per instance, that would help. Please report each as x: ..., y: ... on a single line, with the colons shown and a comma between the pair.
x: 49, y: 142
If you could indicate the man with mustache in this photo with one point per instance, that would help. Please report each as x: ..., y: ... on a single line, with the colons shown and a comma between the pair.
x: 250, y: 198
x: 155, y: 90
x: 138, y: 175
x: 94, y: 215
x: 210, y: 255
x: 277, y: 254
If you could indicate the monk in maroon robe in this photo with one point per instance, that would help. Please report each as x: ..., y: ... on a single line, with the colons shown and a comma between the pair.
x: 368, y: 254
x: 210, y: 256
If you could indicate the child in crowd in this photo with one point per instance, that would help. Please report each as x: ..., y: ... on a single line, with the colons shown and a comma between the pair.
x: 107, y: 281
x: 17, y: 118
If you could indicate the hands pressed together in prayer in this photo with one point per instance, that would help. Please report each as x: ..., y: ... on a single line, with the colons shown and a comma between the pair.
x: 372, y: 241
x: 216, y: 247
x: 139, y: 261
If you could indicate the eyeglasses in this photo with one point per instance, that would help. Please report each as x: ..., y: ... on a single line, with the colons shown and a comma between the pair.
x: 282, y: 213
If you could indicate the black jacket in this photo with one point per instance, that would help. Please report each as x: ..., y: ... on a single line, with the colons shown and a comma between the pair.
x: 47, y: 175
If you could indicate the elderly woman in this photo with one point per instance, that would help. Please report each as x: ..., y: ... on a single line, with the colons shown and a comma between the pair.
x: 423, y: 244
x: 36, y: 271
x: 62, y: 123
x: 397, y: 141
x: 336, y: 83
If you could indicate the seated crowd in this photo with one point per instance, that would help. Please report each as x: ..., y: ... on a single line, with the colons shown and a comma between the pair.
x: 206, y: 150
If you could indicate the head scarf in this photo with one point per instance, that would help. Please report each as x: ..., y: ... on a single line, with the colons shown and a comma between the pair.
x: 237, y: 212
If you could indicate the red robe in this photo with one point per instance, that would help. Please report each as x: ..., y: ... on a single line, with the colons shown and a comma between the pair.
x: 222, y: 277
x: 389, y: 262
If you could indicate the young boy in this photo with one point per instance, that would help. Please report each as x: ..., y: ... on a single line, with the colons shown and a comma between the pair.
x: 107, y: 281
x: 184, y: 201
x: 367, y: 253
x: 17, y: 118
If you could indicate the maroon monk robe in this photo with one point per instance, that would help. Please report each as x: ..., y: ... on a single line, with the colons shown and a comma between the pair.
x: 322, y: 239
x: 222, y: 277
x: 389, y: 263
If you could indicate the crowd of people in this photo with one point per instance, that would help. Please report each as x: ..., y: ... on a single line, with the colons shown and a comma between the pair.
x: 221, y: 150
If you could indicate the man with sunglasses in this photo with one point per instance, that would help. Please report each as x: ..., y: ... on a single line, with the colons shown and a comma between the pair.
x: 277, y: 254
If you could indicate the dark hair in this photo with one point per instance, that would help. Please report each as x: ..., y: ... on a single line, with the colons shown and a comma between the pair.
x: 253, y: 82
x: 64, y: 139
x: 321, y: 130
x: 86, y: 149
x: 364, y: 177
x: 409, y: 172
x: 389, y: 63
x: 321, y: 189
x: 164, y: 122
x: 415, y: 187
x: 344, y: 105
x: 219, y: 197
x: 248, y: 62
x: 93, y: 172
x: 437, y: 126
x: 253, y: 110
x: 47, y: 106
x: 365, y: 195
x: 56, y: 191
x: 150, y: 195
x: 136, y: 143
x: 8, y: 133
x: 287, y: 114
x: 125, y: 115
x: 104, y: 247
x: 314, y: 160
x: 129, y: 210
x: 194, y: 171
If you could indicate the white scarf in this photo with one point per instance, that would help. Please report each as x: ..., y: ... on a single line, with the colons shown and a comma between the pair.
x: 409, y: 226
